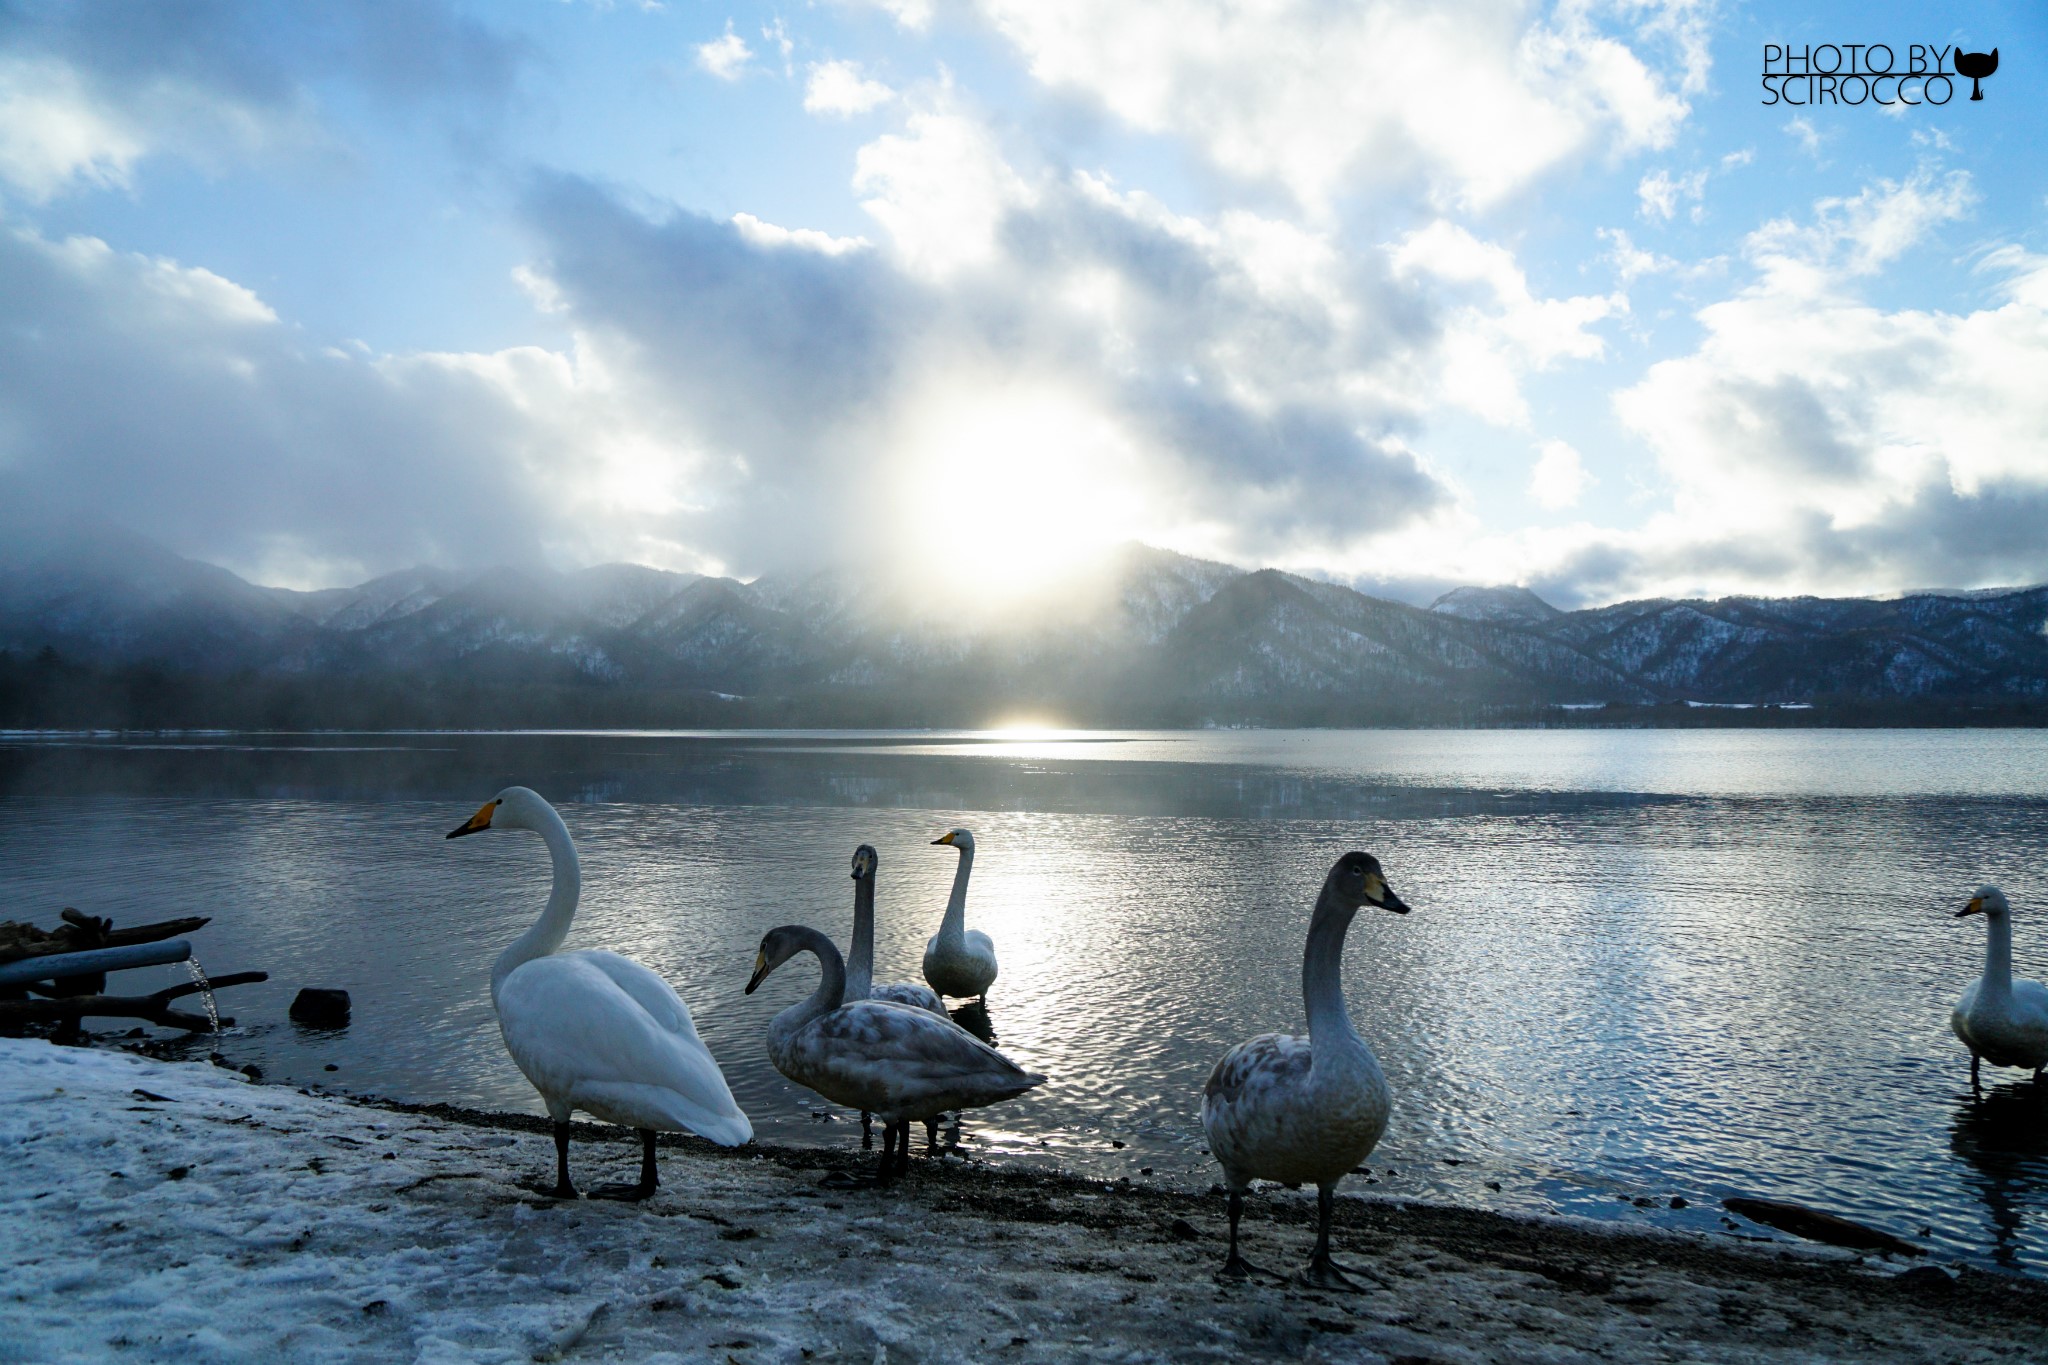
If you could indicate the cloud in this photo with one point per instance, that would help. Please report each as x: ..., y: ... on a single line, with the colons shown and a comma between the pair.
x: 1472, y: 100
x: 1630, y: 261
x: 1813, y: 437
x: 838, y: 89
x: 232, y: 438
x: 53, y: 135
x: 1559, y: 478
x: 942, y: 189
x: 1660, y: 194
x: 1495, y: 328
x: 725, y: 57
x: 1223, y: 372
x: 87, y: 91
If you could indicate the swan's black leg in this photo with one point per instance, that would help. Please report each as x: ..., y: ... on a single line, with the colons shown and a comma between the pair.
x: 1975, y: 1084
x: 563, y: 1189
x: 867, y: 1131
x: 931, y: 1136
x: 903, y: 1147
x: 887, y: 1170
x: 1237, y: 1267
x: 648, y: 1182
x: 1323, y: 1272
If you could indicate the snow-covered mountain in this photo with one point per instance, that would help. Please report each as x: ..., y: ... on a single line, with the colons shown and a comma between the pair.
x: 1159, y: 638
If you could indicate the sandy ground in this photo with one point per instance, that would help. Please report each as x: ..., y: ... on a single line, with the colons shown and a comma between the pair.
x: 177, y: 1212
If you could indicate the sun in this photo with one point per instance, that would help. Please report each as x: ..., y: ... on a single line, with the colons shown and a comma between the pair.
x: 1011, y: 488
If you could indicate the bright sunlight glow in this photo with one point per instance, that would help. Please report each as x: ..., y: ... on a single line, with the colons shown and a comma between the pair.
x: 1012, y: 487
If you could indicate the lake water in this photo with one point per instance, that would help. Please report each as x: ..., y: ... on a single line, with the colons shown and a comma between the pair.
x: 1642, y: 964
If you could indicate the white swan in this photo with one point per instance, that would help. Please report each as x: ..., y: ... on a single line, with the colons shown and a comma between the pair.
x: 2002, y: 1021
x: 888, y: 1059
x: 959, y: 961
x: 596, y: 1031
x: 1280, y: 1107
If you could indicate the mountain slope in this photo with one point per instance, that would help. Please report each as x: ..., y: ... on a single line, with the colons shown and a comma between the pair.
x: 1157, y: 638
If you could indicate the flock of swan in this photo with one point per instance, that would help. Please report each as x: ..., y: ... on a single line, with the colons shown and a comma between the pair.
x: 600, y: 1032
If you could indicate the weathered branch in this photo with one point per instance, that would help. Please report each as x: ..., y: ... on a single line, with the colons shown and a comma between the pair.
x: 156, y: 1007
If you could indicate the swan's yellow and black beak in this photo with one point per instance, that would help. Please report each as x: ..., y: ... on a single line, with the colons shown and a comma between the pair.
x: 760, y: 972
x: 1975, y: 907
x: 943, y: 839
x: 1379, y: 893
x: 480, y: 821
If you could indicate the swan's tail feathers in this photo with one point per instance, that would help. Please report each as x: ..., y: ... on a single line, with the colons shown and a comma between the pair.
x: 665, y: 1110
x: 730, y: 1130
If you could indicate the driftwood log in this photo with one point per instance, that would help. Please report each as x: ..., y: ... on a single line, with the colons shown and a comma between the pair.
x: 69, y: 999
x: 1817, y: 1226
x: 80, y: 933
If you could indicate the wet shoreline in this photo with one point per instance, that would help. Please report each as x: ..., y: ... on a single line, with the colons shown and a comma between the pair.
x: 179, y: 1211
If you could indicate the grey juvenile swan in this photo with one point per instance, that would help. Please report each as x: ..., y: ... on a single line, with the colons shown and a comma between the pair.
x: 959, y: 961
x: 888, y: 1059
x: 860, y: 951
x: 860, y: 965
x: 1292, y: 1109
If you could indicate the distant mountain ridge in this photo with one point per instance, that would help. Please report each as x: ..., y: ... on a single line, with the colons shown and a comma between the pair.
x: 1162, y: 639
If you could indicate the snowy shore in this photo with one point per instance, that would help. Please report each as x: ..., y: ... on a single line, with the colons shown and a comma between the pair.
x: 154, y: 1211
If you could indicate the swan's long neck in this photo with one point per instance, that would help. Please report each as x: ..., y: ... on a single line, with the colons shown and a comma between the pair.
x: 831, y: 990
x: 1997, y: 957
x: 860, y: 954
x: 1322, y: 982
x: 552, y: 927
x: 955, y: 922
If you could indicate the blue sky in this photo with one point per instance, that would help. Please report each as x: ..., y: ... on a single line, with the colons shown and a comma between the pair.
x: 1407, y: 295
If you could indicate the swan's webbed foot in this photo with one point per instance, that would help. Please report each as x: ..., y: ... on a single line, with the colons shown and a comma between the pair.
x: 643, y: 1188
x: 562, y: 1190
x: 1237, y: 1270
x: 630, y: 1194
x: 1325, y: 1273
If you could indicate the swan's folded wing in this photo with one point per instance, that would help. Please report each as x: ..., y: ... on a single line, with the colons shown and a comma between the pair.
x: 1256, y: 1065
x: 2030, y: 1002
x: 646, y: 987
x: 910, y: 994
x: 577, y: 1033
x: 912, y: 1055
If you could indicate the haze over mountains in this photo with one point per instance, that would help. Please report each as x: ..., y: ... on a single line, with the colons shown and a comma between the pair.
x: 1158, y: 639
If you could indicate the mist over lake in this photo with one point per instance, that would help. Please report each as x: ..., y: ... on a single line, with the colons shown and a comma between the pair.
x: 1641, y: 964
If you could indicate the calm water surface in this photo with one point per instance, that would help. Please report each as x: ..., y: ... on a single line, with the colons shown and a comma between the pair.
x: 1642, y: 964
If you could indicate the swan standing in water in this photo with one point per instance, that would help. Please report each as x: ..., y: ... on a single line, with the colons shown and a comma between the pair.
x: 959, y: 961
x: 860, y: 969
x: 2002, y: 1021
x: 1292, y: 1109
x: 860, y: 952
x: 890, y: 1060
x: 596, y: 1031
